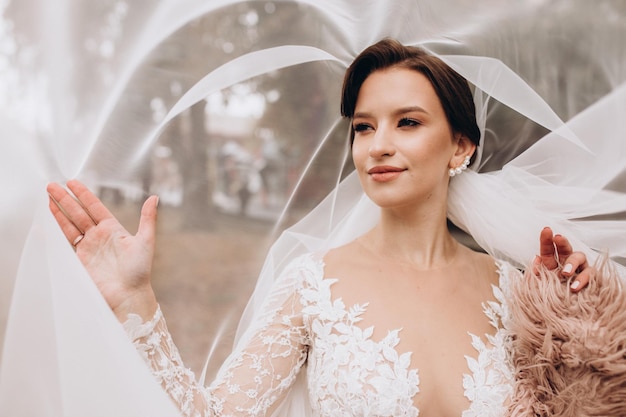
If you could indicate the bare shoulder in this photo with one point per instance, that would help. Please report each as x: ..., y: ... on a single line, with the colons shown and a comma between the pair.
x: 341, y: 254
x: 345, y: 260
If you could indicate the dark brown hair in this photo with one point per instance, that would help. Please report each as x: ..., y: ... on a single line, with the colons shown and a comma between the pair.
x: 452, y: 89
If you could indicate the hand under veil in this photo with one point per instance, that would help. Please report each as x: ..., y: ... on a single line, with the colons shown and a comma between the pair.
x: 64, y: 353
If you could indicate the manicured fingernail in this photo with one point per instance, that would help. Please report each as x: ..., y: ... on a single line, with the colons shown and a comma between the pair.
x: 567, y: 269
x: 575, y: 285
x: 156, y: 203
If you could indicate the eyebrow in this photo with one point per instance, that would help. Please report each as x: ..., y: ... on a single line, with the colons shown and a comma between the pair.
x: 401, y: 110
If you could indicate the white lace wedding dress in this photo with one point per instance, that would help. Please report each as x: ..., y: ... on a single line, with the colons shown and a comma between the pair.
x: 348, y: 373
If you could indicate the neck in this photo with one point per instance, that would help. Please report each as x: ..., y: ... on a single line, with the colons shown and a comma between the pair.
x: 418, y: 237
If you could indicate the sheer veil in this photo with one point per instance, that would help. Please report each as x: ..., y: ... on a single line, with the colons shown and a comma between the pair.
x: 549, y: 86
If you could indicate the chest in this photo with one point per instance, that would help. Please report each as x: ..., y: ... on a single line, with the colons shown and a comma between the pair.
x: 385, y: 358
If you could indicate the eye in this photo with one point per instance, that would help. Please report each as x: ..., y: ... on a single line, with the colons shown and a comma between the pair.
x: 406, y: 122
x: 361, y: 127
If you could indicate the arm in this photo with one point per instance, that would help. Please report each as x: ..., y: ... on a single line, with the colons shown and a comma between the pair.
x: 254, y: 378
x: 252, y: 381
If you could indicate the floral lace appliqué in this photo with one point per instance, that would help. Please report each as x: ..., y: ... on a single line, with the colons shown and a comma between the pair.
x: 253, y: 380
x: 491, y: 382
x: 349, y: 373
x: 352, y: 375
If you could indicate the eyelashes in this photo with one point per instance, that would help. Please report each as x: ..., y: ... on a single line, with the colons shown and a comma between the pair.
x: 408, y: 122
x: 403, y: 122
x: 361, y: 127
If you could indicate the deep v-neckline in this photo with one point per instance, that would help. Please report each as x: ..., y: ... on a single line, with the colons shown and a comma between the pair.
x: 487, y: 387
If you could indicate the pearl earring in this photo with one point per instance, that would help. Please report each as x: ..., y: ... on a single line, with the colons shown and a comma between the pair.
x: 459, y: 170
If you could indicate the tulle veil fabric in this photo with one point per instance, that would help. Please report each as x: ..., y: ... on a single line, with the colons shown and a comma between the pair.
x: 550, y: 91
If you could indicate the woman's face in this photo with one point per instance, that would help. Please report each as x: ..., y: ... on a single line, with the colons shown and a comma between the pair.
x: 403, y: 144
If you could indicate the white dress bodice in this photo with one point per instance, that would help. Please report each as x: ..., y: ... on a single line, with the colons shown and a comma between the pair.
x: 348, y: 373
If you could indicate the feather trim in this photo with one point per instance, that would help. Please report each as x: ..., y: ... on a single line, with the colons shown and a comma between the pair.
x: 568, y: 349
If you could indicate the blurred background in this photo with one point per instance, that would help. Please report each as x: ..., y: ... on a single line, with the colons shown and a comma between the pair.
x: 85, y: 88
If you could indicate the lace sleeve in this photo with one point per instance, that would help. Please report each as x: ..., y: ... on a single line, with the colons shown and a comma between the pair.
x: 252, y: 380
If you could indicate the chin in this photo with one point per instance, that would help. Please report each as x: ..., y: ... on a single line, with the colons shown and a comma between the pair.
x: 392, y: 200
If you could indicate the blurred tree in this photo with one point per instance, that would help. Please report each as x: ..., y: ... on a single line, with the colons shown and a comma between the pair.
x: 296, y: 117
x: 308, y: 104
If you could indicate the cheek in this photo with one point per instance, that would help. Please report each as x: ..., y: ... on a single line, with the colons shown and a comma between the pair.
x: 434, y: 152
x: 359, y: 154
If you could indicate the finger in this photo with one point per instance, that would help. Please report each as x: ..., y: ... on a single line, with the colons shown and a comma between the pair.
x: 577, y: 263
x: 546, y: 249
x: 563, y: 247
x: 574, y: 263
x: 91, y: 204
x: 147, y: 221
x: 71, y: 232
x: 582, y: 279
x: 71, y: 208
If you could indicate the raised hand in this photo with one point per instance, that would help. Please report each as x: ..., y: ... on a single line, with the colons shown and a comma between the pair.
x: 118, y: 262
x: 555, y: 251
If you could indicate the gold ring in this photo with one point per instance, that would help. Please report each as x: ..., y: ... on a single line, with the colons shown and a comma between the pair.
x: 77, y: 240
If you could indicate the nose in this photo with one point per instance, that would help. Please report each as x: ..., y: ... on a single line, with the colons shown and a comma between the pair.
x: 381, y: 144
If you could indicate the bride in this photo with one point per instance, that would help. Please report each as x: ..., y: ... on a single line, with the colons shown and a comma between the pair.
x: 401, y: 320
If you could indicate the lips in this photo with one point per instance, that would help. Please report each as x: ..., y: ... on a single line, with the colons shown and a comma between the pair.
x: 384, y: 173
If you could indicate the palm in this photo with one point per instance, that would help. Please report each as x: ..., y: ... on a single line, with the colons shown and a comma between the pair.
x: 116, y: 261
x: 119, y: 263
